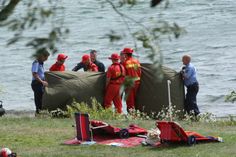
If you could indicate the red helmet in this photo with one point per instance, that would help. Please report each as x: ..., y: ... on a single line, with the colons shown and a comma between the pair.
x: 61, y: 57
x: 5, y: 152
x: 85, y: 58
x: 127, y: 50
x: 114, y: 56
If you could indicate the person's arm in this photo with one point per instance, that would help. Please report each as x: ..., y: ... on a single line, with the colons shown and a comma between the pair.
x: 107, y: 81
x: 108, y: 76
x: 78, y: 66
x: 94, y: 68
x: 123, y: 70
x: 52, y: 68
x: 102, y: 67
x: 36, y: 76
x: 124, y: 65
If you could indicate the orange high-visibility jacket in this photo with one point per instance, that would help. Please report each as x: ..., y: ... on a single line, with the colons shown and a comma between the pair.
x: 133, y: 68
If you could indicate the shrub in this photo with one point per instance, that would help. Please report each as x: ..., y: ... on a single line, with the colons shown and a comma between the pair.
x: 96, y: 111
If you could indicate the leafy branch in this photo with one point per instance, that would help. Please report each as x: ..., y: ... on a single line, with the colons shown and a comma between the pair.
x: 35, y: 16
x: 149, y: 36
x: 8, y: 9
x: 231, y: 97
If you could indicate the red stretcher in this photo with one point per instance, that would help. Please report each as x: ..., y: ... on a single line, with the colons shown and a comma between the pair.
x: 173, y: 132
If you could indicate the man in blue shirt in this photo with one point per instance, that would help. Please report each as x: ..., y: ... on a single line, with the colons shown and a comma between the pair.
x: 191, y: 83
x: 38, y: 79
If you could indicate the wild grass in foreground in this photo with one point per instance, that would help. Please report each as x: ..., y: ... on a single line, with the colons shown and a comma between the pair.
x: 42, y: 137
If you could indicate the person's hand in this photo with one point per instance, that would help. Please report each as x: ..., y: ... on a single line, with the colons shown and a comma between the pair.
x: 182, y: 71
x: 45, y: 84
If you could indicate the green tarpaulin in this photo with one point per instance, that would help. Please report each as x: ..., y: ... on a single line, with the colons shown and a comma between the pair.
x: 64, y: 87
x: 153, y: 92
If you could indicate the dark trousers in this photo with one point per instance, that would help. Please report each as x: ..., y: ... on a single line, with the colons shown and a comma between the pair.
x: 190, y: 103
x: 38, y: 94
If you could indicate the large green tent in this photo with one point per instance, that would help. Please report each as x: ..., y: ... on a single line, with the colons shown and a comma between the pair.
x: 64, y: 87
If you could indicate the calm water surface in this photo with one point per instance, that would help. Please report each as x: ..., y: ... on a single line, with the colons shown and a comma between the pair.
x: 210, y: 40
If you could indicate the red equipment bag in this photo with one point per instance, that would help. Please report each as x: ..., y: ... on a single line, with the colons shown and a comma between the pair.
x: 173, y: 132
x: 132, y: 130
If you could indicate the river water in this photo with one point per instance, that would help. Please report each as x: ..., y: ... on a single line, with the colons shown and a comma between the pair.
x: 210, y: 40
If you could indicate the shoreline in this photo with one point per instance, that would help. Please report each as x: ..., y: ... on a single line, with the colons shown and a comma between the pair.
x: 31, y: 113
x: 19, y: 113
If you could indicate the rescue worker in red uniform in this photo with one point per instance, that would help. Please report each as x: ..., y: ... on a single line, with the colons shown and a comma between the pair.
x: 133, y: 71
x: 86, y: 64
x: 59, y: 65
x: 114, y: 79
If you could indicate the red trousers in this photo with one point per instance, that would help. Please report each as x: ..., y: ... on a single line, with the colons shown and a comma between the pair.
x: 113, y: 94
x: 131, y: 92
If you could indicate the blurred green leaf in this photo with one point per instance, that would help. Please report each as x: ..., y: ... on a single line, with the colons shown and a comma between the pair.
x: 231, y: 97
x: 113, y: 36
x: 14, y: 39
x: 155, y: 2
x: 131, y: 3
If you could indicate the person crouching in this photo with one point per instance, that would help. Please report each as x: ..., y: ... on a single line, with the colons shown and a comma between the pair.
x: 114, y: 79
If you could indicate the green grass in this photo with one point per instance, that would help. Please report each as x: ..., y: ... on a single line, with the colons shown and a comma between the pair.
x: 42, y: 137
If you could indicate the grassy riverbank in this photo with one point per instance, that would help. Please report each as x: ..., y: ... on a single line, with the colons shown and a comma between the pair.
x: 39, y: 137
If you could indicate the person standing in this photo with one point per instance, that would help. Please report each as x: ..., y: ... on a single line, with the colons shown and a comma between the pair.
x: 86, y: 64
x: 114, y: 79
x: 100, y: 65
x: 190, y: 81
x: 38, y: 79
x: 133, y: 71
x: 59, y: 65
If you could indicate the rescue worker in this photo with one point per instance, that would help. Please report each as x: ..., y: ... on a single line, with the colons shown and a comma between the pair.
x: 100, y: 65
x: 133, y: 71
x: 38, y: 78
x: 114, y: 79
x: 59, y: 65
x: 86, y: 64
x: 190, y: 81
